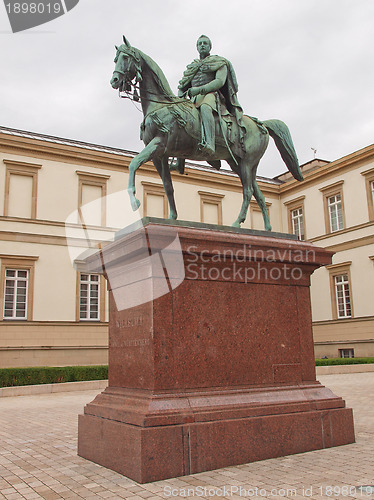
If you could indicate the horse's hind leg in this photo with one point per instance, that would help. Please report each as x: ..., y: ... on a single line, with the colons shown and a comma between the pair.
x: 246, y: 178
x: 261, y: 202
x: 163, y: 169
x: 136, y: 162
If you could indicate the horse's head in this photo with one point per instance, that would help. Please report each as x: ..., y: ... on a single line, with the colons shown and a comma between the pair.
x: 127, y: 67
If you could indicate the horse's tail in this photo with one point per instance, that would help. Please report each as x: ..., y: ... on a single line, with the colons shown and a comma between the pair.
x: 282, y: 138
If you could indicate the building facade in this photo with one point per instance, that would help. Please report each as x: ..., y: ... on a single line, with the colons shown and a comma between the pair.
x: 61, y: 197
x: 334, y: 209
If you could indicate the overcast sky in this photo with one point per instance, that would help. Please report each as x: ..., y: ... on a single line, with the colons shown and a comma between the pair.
x: 309, y: 63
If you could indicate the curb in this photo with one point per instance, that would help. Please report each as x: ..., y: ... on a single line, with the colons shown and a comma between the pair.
x: 31, y: 390
x: 340, y: 369
x: 91, y: 385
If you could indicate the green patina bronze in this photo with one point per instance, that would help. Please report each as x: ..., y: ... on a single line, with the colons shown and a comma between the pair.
x: 204, y: 122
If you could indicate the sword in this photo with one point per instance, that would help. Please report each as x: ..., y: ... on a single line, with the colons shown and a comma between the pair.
x: 222, y: 130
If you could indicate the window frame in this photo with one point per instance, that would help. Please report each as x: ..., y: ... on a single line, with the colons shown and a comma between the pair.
x: 328, y: 192
x: 369, y: 184
x: 17, y: 280
x: 26, y: 170
x: 343, y: 287
x: 152, y: 188
x: 292, y: 205
x: 336, y: 270
x: 97, y: 180
x: 211, y: 199
x: 335, y: 207
x: 343, y: 351
x: 21, y: 263
x: 101, y: 306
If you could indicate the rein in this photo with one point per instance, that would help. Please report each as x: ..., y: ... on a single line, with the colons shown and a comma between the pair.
x: 135, y: 97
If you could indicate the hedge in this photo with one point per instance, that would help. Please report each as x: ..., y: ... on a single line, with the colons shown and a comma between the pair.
x: 10, y: 377
x: 343, y: 361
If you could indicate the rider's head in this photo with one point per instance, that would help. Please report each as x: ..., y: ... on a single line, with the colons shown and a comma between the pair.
x: 204, y: 45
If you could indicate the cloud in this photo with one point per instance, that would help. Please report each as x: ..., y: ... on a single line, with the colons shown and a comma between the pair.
x: 307, y: 63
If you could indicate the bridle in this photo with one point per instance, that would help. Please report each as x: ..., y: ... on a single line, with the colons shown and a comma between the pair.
x: 130, y: 52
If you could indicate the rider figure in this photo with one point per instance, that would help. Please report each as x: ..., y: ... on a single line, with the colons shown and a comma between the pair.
x: 201, y: 81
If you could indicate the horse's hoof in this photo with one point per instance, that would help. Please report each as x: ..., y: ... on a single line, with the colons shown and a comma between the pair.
x: 236, y: 224
x: 268, y: 228
x: 173, y: 216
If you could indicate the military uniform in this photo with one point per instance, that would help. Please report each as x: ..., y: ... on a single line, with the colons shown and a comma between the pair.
x: 203, y: 71
x: 203, y: 76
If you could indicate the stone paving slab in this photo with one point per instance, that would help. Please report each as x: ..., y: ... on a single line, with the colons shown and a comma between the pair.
x: 38, y: 457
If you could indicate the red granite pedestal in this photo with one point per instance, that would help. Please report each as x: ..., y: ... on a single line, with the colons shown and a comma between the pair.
x: 216, y: 370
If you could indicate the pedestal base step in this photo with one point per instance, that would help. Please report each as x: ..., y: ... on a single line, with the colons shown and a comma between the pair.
x: 147, y: 454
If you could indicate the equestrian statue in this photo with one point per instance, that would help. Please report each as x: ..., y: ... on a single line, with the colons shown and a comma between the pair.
x: 204, y: 122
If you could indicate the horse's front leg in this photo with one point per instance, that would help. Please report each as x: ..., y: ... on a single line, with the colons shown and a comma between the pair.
x: 245, y: 178
x: 163, y: 169
x: 144, y: 156
x: 168, y: 186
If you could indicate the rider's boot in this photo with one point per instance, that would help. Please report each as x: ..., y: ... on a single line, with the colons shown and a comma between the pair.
x: 207, y: 119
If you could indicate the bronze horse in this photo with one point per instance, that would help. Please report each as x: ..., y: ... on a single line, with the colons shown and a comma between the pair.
x: 171, y: 129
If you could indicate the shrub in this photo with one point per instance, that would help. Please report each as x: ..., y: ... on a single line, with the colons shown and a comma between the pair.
x: 343, y: 361
x: 51, y: 375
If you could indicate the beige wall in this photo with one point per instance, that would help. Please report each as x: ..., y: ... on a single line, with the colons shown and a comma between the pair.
x: 354, y: 194
x: 56, y: 337
x: 331, y: 350
x: 357, y: 334
x: 52, y: 344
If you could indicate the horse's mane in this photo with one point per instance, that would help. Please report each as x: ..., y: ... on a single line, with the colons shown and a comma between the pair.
x: 159, y: 76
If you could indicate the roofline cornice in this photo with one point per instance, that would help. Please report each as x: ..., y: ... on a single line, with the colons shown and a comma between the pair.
x: 71, y: 153
x: 119, y: 160
x: 330, y: 169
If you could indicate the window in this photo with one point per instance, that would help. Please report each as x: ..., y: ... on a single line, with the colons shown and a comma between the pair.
x: 211, y: 207
x: 341, y: 290
x: 335, y: 212
x: 343, y: 298
x: 15, y: 293
x: 369, y: 181
x: 155, y: 202
x: 334, y: 207
x: 92, y: 198
x: 21, y: 189
x: 89, y: 302
x: 17, y: 283
x: 297, y: 220
x: 347, y: 353
x: 296, y: 217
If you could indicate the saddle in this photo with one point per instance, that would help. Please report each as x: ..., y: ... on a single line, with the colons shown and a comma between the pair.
x: 228, y: 133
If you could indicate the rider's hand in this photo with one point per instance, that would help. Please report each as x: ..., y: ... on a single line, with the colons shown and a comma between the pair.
x: 193, y: 91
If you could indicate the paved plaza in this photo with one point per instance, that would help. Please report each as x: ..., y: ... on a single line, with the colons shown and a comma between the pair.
x: 38, y: 457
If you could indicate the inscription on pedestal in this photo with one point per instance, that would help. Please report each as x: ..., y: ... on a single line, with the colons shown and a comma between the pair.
x: 130, y: 343
x: 129, y: 322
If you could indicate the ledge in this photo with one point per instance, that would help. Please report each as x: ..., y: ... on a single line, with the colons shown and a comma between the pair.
x: 341, y: 369
x: 33, y: 390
